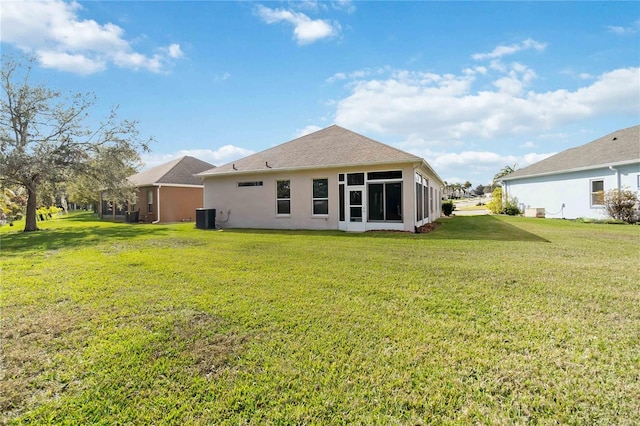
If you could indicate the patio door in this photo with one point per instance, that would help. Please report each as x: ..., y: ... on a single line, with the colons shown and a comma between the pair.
x: 355, y: 208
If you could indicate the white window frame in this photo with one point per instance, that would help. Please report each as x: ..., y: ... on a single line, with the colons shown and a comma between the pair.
x: 283, y: 198
x: 314, y: 199
x: 592, y: 193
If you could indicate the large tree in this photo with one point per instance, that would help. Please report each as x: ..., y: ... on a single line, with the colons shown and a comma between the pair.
x: 45, y: 138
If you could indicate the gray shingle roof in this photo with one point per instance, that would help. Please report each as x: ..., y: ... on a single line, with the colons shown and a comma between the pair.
x: 619, y: 147
x: 180, y: 171
x: 329, y: 147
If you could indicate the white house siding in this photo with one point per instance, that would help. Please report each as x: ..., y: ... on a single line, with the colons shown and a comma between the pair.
x: 255, y: 206
x: 573, y: 189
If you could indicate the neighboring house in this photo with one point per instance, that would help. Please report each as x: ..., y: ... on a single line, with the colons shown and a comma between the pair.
x: 331, y: 179
x: 572, y: 183
x: 169, y: 192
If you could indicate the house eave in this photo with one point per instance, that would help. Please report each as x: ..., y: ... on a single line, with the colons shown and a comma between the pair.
x: 575, y: 169
x: 176, y: 185
x: 305, y: 168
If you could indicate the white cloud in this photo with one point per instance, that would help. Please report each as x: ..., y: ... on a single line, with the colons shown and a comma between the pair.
x: 618, y: 30
x: 306, y: 130
x: 501, y: 51
x: 478, y: 166
x: 305, y: 29
x: 222, y: 155
x: 59, y: 39
x: 446, y: 107
x: 527, y: 144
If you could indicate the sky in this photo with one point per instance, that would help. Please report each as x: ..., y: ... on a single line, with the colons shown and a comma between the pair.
x: 471, y: 87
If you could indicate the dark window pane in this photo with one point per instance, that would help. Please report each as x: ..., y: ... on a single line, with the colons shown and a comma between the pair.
x: 597, y: 185
x: 320, y: 188
x: 426, y: 201
x: 284, y: 207
x: 376, y: 201
x: 393, y: 201
x: 341, y: 198
x: 283, y: 189
x: 320, y: 206
x: 356, y: 214
x: 355, y: 179
x: 394, y: 174
x: 418, y: 201
x: 341, y: 177
x: 355, y: 198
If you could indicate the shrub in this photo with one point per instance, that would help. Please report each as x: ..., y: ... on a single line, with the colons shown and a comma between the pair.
x: 622, y: 204
x: 448, y: 207
x: 495, y: 205
x: 511, y: 207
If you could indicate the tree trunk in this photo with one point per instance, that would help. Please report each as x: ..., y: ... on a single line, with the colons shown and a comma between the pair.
x: 31, y: 224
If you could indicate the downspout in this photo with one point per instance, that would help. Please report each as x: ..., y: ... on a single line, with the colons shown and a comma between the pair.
x: 617, y: 177
x: 158, y: 198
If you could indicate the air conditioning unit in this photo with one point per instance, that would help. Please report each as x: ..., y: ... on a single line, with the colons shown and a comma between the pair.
x: 206, y: 218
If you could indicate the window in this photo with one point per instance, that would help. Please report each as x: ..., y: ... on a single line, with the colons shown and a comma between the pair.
x: 341, y: 197
x: 385, y: 202
x: 394, y: 174
x: 425, y: 201
x: 150, y: 201
x: 431, y: 198
x: 283, y: 197
x: 320, y: 196
x: 254, y: 183
x: 355, y: 179
x: 597, y: 192
x: 419, y: 204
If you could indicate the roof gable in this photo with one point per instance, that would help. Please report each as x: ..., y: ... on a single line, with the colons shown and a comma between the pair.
x: 332, y: 146
x: 621, y: 146
x: 180, y: 171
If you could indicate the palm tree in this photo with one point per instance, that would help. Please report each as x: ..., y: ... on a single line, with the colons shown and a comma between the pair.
x: 506, y: 170
x: 466, y: 187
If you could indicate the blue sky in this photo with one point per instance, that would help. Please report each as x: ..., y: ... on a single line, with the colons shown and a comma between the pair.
x: 469, y: 86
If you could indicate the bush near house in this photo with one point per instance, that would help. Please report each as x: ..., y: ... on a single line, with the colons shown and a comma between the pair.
x: 622, y: 205
x: 497, y: 206
x: 448, y: 207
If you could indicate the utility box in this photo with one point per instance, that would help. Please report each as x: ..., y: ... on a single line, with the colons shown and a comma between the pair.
x: 534, y: 212
x: 206, y: 218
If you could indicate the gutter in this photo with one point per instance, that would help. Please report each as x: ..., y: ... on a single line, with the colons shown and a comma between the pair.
x: 158, y: 198
x: 576, y: 169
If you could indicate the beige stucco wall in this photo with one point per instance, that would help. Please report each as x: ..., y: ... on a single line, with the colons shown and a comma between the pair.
x: 255, y: 206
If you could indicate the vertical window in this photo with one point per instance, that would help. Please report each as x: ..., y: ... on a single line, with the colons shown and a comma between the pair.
x: 341, y: 196
x: 419, y: 205
x: 426, y: 201
x: 283, y: 197
x: 376, y: 201
x: 597, y: 192
x: 320, y: 196
x: 431, y: 198
x: 150, y: 201
x: 393, y: 201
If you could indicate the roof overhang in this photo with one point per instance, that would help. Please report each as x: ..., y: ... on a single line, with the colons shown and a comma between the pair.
x: 305, y: 168
x: 577, y: 169
x: 176, y: 185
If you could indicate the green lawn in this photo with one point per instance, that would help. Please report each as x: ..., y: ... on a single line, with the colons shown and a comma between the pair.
x: 492, y: 320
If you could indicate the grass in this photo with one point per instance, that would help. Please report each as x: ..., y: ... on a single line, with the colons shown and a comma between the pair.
x: 487, y: 319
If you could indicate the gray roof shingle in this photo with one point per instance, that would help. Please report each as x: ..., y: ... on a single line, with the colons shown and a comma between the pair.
x: 180, y: 171
x: 329, y: 147
x: 621, y: 146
